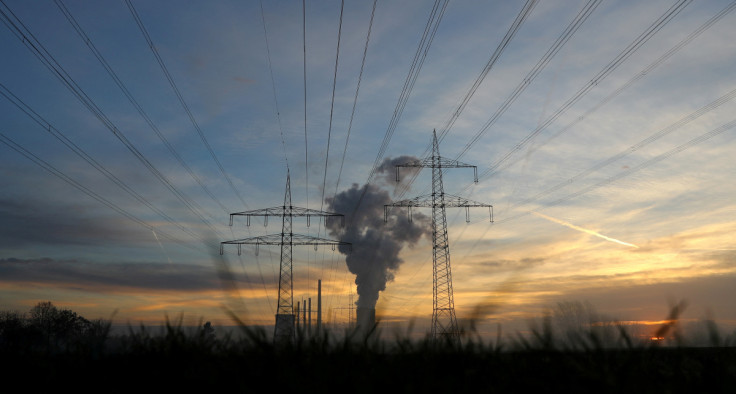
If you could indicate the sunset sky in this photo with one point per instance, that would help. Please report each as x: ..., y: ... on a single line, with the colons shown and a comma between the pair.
x: 606, y: 149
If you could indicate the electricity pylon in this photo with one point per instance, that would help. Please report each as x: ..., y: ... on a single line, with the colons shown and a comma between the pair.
x: 284, y: 329
x: 444, y: 322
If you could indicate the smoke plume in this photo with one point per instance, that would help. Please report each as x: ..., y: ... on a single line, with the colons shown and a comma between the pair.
x: 374, y: 257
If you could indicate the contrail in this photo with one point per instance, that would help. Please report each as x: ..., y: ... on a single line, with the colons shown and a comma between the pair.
x: 585, y: 230
x: 162, y: 247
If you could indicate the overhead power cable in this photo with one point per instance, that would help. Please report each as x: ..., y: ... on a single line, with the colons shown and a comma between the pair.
x: 435, y: 17
x: 629, y: 171
x: 332, y: 105
x: 59, y: 174
x: 355, y: 98
x: 352, y: 115
x: 515, y: 26
x: 46, y: 126
x: 273, y: 86
x: 646, y: 71
x: 513, y: 29
x: 559, y: 43
x: 184, y: 104
x: 556, y: 46
x: 281, y: 132
x: 650, y: 139
x: 82, y: 34
x: 680, y: 148
x: 21, y: 31
x: 655, y: 27
x: 729, y: 96
x: 304, y: 55
x: 329, y: 129
x: 425, y: 43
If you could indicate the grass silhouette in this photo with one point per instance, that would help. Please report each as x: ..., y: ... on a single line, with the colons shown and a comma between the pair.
x: 584, y: 358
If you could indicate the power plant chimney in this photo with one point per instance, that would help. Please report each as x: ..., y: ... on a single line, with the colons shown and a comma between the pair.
x: 297, y: 316
x: 319, y: 307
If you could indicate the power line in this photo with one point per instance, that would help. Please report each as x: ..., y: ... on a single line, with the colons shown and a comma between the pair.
x: 655, y: 27
x: 680, y: 148
x: 329, y: 129
x: 352, y: 115
x: 572, y: 28
x: 646, y: 71
x: 273, y: 85
x: 425, y: 42
x: 430, y: 30
x: 650, y: 139
x: 281, y: 132
x: 355, y: 98
x: 83, y: 35
x: 161, y: 63
x: 515, y: 26
x: 37, y: 49
x: 304, y: 53
x: 559, y: 43
x: 306, y: 146
x: 332, y: 105
x: 435, y: 17
x: 629, y: 171
x: 46, y: 126
x: 61, y: 175
x: 667, y: 130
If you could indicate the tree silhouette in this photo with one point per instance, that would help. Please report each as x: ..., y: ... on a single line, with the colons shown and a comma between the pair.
x: 46, y: 327
x: 14, y: 331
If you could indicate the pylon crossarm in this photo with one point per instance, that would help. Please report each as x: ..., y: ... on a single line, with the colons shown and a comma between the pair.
x: 276, y: 239
x: 283, y: 210
x: 413, y: 202
x: 437, y: 162
x: 420, y: 201
x: 433, y: 161
x: 426, y: 201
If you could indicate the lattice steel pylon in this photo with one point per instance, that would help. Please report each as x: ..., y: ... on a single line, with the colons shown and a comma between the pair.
x: 444, y: 322
x: 284, y: 329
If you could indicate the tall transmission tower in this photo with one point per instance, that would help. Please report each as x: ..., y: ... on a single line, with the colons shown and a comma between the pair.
x: 284, y: 329
x: 444, y: 322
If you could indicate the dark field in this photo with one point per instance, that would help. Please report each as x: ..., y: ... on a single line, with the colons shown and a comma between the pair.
x: 71, y: 353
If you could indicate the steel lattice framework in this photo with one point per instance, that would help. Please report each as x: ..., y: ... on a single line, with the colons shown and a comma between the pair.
x: 284, y: 329
x: 444, y: 322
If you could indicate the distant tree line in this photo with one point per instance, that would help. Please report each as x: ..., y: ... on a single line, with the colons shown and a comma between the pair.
x: 48, y: 328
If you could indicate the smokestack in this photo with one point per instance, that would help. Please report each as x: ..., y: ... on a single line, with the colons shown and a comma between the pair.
x: 319, y: 306
x: 297, y: 316
x: 309, y: 325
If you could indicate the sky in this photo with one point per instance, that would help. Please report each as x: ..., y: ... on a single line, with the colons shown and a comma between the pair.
x: 606, y: 151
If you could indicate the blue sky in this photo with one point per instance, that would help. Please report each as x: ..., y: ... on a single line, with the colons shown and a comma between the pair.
x: 622, y: 162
